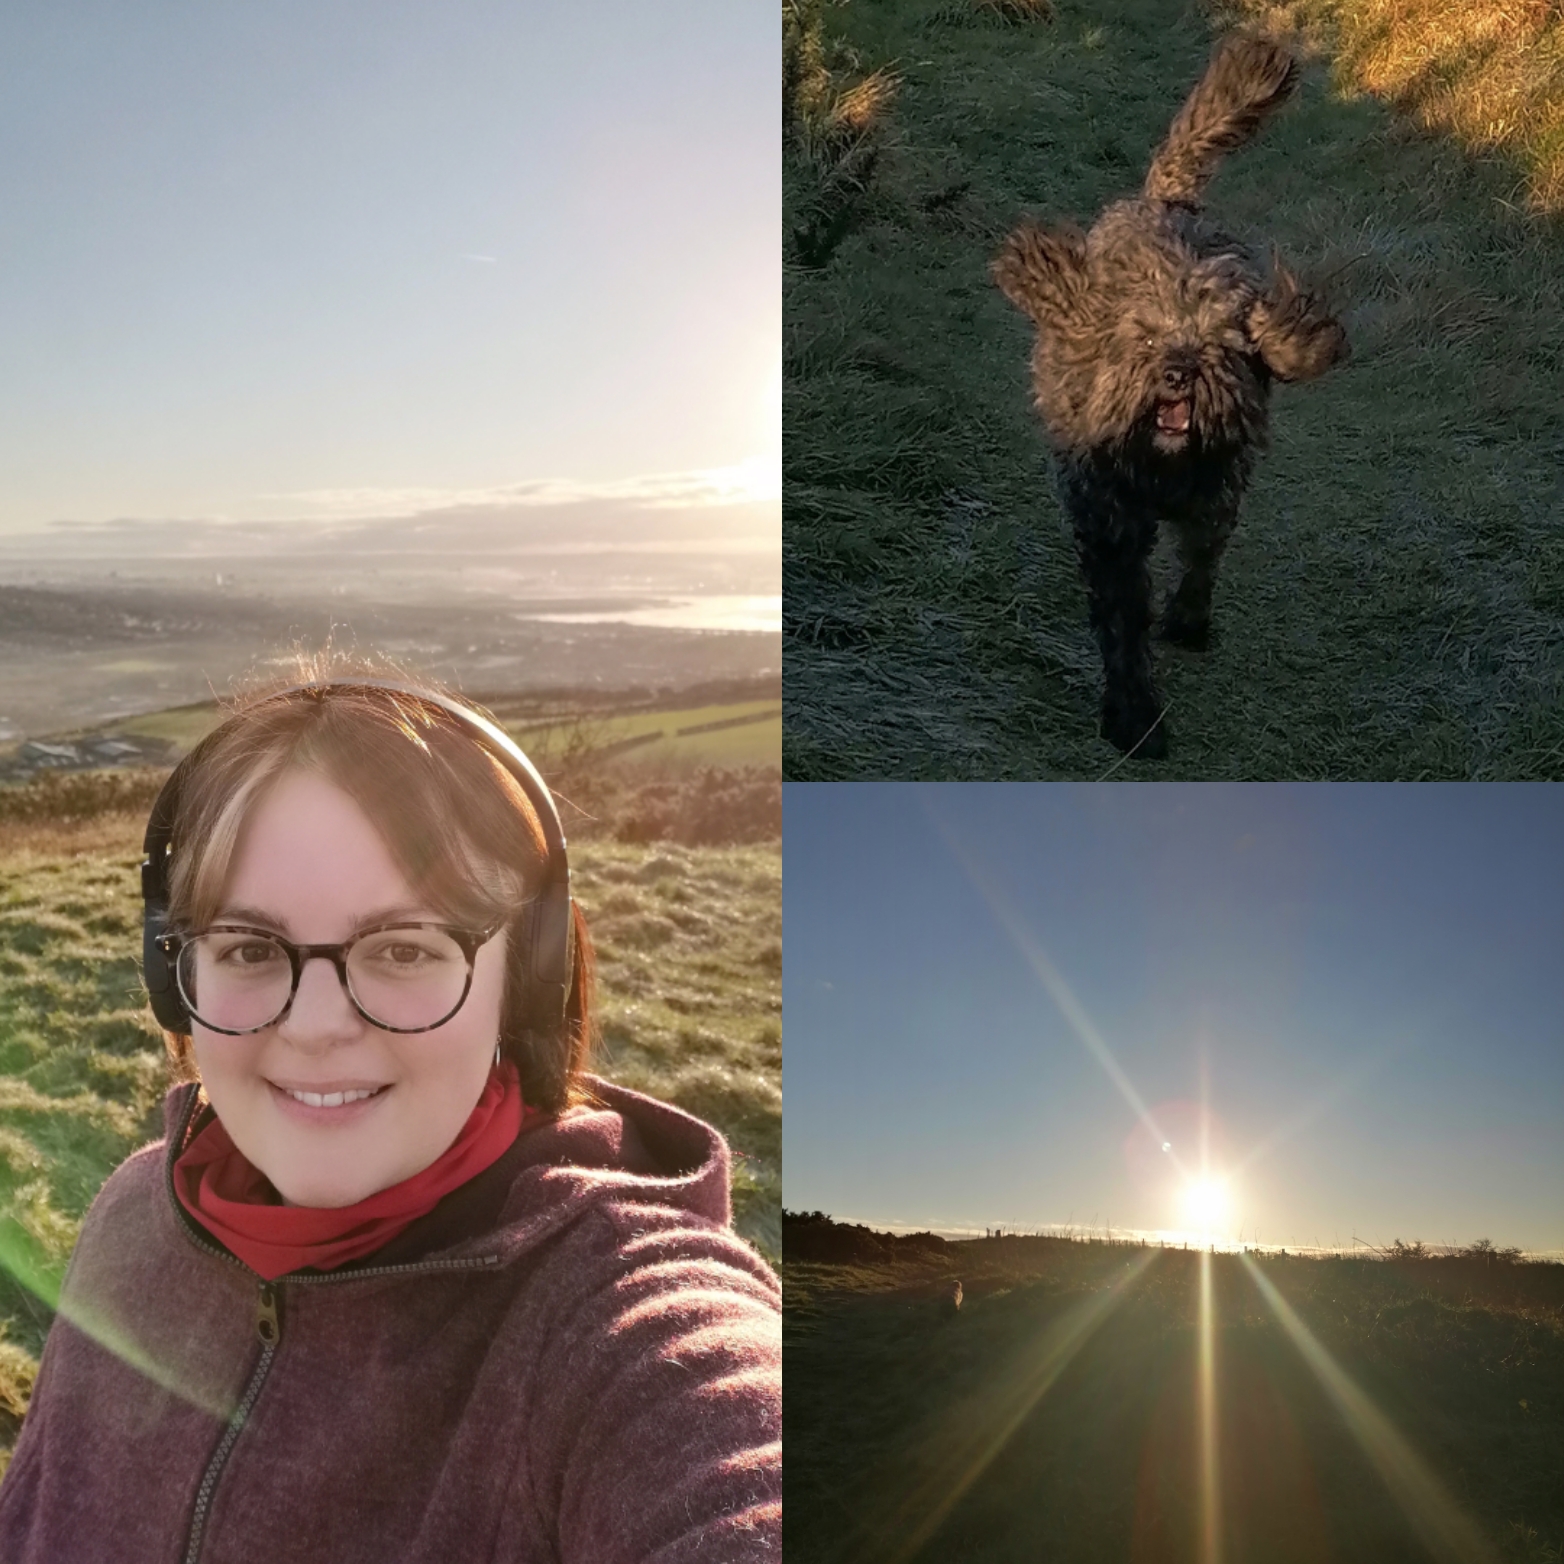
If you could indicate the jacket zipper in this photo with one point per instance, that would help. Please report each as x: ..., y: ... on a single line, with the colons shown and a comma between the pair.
x: 268, y: 1328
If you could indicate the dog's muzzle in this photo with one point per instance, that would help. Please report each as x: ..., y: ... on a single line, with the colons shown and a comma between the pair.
x: 1173, y: 404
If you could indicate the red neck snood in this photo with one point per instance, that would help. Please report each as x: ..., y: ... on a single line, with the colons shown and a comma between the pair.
x: 237, y: 1205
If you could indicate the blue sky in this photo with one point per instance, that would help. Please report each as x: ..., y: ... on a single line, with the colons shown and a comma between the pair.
x: 1366, y: 977
x: 328, y: 257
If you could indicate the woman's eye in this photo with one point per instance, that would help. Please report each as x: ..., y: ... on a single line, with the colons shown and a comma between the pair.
x: 404, y: 955
x: 249, y: 953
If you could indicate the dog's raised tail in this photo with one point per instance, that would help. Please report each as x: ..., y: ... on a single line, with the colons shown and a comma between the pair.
x: 1247, y: 80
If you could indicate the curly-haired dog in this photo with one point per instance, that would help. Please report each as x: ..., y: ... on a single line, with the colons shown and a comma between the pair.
x: 1157, y: 341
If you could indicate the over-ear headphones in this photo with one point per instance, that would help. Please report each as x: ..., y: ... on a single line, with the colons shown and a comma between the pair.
x: 544, y: 929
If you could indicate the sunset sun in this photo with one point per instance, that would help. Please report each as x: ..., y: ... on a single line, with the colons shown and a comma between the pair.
x: 1205, y: 1203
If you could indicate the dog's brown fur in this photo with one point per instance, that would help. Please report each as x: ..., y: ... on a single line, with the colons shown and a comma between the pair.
x: 1158, y: 337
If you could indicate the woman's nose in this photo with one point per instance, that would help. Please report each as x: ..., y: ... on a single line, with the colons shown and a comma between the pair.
x: 321, y: 1010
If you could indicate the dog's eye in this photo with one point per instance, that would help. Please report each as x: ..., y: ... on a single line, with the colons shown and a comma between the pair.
x: 1151, y: 342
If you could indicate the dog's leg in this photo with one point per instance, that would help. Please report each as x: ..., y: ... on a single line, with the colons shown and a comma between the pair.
x: 1113, y: 541
x: 1200, y: 539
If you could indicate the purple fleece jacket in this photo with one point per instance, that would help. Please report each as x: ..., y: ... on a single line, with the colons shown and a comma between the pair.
x: 570, y: 1359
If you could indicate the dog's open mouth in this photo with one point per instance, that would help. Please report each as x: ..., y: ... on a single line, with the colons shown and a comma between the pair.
x: 1173, y: 417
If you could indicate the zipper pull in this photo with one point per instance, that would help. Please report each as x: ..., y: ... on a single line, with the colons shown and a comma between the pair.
x: 267, y: 1325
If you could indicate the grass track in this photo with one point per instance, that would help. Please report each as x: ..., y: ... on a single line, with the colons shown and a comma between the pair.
x: 1392, y: 606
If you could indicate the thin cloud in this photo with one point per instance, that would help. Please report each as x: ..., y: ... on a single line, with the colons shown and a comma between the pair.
x: 706, y: 486
x: 488, y: 260
x: 754, y: 482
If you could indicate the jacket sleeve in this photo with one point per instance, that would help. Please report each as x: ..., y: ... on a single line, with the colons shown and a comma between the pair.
x: 657, y: 1428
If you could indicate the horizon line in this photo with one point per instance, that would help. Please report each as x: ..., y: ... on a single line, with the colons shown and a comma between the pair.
x: 1081, y: 1233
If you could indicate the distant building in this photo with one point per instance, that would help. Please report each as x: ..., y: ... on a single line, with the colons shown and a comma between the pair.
x: 115, y: 751
x: 36, y: 754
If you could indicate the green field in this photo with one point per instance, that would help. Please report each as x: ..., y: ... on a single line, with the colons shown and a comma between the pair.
x: 689, y: 943
x: 1392, y: 606
x: 754, y: 739
x: 1058, y: 1415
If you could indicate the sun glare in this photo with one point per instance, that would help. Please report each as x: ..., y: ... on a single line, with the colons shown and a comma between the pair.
x: 1206, y: 1204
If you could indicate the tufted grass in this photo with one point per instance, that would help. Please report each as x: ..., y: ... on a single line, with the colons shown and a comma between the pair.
x: 689, y: 944
x: 1393, y: 604
x: 1487, y: 73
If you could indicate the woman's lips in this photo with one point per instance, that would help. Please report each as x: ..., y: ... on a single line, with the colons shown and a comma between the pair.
x: 344, y: 1105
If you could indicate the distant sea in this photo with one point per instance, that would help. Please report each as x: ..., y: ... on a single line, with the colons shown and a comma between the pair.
x: 720, y: 611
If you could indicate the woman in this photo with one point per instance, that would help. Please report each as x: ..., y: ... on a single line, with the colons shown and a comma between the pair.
x: 401, y: 1283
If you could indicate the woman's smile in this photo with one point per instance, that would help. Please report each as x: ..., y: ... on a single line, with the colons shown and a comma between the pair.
x: 326, y: 1105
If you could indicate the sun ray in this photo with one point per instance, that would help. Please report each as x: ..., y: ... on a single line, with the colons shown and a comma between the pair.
x: 1210, y: 1476
x: 956, y: 1450
x: 1074, y: 1012
x: 1445, y: 1530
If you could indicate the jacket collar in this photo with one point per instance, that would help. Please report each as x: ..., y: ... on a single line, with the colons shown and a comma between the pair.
x: 622, y: 1148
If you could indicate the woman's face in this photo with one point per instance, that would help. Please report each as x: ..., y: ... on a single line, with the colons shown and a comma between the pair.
x: 312, y: 868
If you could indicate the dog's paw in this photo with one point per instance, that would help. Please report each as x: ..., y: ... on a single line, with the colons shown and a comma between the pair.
x: 1181, y: 628
x: 1294, y: 331
x: 1135, y: 726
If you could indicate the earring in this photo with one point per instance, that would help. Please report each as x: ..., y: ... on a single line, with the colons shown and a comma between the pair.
x: 496, y: 1053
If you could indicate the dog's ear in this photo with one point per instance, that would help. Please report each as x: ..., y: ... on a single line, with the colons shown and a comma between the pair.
x: 1293, y: 331
x: 1042, y: 271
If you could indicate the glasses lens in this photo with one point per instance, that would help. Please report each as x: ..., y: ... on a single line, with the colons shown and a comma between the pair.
x: 407, y: 978
x: 235, y: 980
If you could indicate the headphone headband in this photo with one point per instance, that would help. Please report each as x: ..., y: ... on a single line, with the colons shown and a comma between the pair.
x: 544, y: 928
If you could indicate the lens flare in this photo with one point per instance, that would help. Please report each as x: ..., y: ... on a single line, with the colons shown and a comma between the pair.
x: 23, y: 1259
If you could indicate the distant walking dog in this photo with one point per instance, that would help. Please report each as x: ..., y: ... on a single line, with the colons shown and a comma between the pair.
x: 1157, y: 341
x: 950, y: 1304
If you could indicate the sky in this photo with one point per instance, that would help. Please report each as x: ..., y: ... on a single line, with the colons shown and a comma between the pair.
x: 325, y: 258
x: 1338, y: 1006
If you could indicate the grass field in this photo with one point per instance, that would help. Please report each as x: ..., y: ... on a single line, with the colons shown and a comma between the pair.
x: 689, y: 943
x: 1393, y: 602
x: 1057, y: 1416
x: 751, y: 734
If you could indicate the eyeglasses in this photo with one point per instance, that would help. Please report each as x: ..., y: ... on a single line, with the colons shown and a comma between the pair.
x: 401, y: 977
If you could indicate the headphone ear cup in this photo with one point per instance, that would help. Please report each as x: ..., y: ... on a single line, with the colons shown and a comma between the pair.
x: 162, y: 990
x: 544, y: 970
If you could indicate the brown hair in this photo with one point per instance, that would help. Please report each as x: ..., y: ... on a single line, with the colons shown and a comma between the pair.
x: 455, y: 821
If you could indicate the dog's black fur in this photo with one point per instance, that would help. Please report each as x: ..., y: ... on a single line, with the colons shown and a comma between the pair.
x: 1158, y: 338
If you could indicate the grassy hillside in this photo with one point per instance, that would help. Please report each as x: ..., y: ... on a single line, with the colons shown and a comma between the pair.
x: 1056, y: 1416
x: 1488, y: 73
x: 689, y: 942
x: 1393, y: 603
